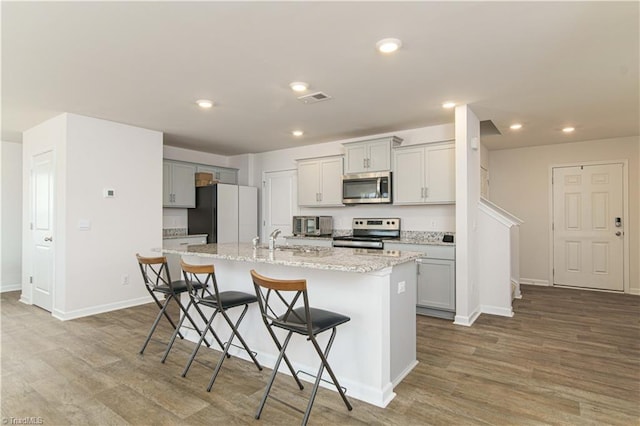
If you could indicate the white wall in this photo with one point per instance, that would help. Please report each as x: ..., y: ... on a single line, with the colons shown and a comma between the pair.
x: 11, y: 217
x: 92, y: 155
x: 415, y: 218
x: 520, y: 184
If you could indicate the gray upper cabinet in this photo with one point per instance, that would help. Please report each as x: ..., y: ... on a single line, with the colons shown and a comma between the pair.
x: 221, y: 174
x: 178, y: 184
x: 369, y: 156
x: 424, y: 174
x: 320, y: 182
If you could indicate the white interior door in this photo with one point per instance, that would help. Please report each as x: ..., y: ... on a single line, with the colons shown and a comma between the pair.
x: 42, y: 192
x: 588, y: 233
x: 279, y: 202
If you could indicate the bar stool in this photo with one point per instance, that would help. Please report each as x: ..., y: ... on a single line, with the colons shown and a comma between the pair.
x: 203, y: 276
x: 280, y: 311
x: 157, y: 279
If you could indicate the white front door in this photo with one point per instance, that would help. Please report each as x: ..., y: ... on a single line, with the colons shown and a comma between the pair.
x: 279, y: 202
x: 42, y: 192
x: 588, y: 226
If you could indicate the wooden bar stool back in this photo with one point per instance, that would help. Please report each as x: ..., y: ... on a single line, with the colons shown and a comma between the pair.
x: 277, y: 300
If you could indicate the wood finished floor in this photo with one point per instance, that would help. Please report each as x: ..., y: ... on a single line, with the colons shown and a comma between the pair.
x: 566, y: 357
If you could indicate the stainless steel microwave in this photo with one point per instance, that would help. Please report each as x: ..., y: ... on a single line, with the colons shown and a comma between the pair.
x: 313, y: 226
x: 366, y: 188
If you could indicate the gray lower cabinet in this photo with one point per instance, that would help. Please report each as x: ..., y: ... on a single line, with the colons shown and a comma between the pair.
x: 436, y: 290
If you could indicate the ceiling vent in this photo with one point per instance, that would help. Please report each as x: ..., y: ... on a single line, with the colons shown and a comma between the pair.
x: 313, y: 98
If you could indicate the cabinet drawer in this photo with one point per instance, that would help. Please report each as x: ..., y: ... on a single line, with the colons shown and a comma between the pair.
x: 430, y: 251
x: 176, y: 243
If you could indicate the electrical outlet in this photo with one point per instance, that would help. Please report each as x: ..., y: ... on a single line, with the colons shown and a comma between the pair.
x: 434, y: 224
x: 125, y: 279
x: 402, y: 286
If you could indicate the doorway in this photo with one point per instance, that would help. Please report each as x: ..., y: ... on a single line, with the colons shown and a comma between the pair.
x: 279, y: 201
x: 588, y: 226
x: 42, y: 227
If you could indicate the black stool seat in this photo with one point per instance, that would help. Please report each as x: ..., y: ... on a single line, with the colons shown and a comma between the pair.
x: 228, y: 299
x: 178, y: 287
x: 321, y: 320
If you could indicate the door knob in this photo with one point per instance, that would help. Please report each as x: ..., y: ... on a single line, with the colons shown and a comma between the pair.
x: 618, y: 233
x: 48, y: 238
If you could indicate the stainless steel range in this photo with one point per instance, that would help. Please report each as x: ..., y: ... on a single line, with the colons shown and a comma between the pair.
x: 370, y: 233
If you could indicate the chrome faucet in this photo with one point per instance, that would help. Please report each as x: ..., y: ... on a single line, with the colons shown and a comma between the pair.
x: 255, y: 241
x: 272, y: 239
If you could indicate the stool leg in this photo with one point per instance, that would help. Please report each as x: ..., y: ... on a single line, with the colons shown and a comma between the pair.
x: 286, y: 359
x: 325, y: 363
x: 173, y: 339
x: 186, y: 313
x: 157, y: 320
x: 195, y: 350
x: 273, y: 374
x: 234, y: 332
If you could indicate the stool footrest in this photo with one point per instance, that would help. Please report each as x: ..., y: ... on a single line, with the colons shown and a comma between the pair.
x: 321, y: 379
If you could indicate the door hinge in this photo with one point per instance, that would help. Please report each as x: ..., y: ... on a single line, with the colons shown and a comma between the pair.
x: 31, y: 226
x: 553, y: 226
x: 30, y: 280
x: 264, y: 184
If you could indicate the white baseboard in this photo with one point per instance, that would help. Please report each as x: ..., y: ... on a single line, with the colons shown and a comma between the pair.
x: 10, y: 287
x: 100, y: 309
x: 634, y: 291
x: 467, y: 321
x: 496, y: 310
x: 533, y: 281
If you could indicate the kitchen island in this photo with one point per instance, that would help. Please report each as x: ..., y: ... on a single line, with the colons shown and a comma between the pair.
x: 372, y: 353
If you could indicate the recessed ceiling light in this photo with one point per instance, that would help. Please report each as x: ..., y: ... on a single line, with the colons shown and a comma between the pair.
x: 448, y: 105
x: 204, y: 103
x: 516, y: 126
x: 299, y: 86
x: 568, y: 129
x: 297, y: 133
x: 388, y: 45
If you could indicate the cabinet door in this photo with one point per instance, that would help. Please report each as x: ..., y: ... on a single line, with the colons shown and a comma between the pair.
x: 183, y: 185
x: 441, y: 175
x: 408, y: 175
x: 166, y: 185
x: 229, y: 176
x: 309, y: 183
x: 331, y: 182
x: 379, y: 156
x: 356, y: 155
x: 436, y: 284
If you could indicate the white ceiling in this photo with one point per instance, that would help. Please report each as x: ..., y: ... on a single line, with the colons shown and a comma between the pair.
x: 546, y: 65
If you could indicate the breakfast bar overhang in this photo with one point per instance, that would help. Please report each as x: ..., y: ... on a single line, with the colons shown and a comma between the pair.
x: 372, y: 353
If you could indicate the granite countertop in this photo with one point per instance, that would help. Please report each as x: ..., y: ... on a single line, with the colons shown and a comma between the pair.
x: 173, y: 237
x: 420, y: 241
x: 327, y: 258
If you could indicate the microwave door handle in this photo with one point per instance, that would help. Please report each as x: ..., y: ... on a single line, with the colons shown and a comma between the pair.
x: 379, y: 187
